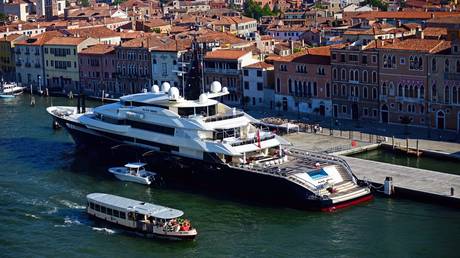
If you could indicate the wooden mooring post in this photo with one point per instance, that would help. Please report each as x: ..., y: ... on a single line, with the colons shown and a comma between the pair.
x: 416, y: 148
x: 393, y: 142
x: 407, y: 145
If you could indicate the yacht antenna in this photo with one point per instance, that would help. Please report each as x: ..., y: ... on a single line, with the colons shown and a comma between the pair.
x: 202, y: 70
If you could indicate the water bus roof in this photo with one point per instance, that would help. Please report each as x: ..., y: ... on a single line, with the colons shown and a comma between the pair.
x: 149, y: 209
x: 135, y: 165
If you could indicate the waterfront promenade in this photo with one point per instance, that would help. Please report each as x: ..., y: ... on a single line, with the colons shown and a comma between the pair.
x: 408, y: 181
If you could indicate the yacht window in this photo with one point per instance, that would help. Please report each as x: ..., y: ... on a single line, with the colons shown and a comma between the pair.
x: 151, y: 127
x: 109, y: 211
x: 97, y: 207
x: 212, y: 110
x: 91, y: 205
x: 186, y: 111
x: 116, y: 213
x: 226, y: 133
x: 201, y: 111
x: 122, y: 215
x: 103, y: 210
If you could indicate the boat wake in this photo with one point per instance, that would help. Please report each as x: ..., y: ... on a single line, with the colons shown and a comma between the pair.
x: 32, y: 216
x: 52, y: 211
x: 105, y: 230
x: 72, y: 205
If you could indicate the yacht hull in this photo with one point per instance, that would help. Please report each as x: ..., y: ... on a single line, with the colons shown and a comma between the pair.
x: 208, y: 176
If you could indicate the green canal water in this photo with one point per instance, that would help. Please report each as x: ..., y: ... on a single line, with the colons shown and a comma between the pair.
x: 44, y: 181
x: 423, y: 162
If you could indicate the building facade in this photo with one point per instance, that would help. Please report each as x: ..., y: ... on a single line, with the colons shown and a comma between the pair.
x: 258, y: 85
x: 30, y: 61
x: 404, y: 80
x: 7, y: 56
x: 355, y: 83
x: 97, y: 71
x: 302, y: 82
x: 226, y: 67
x: 61, y: 63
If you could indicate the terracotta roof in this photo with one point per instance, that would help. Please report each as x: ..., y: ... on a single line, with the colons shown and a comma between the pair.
x: 422, y: 45
x: 158, y: 43
x: 226, y: 54
x: 228, y: 20
x: 70, y: 41
x: 97, y: 32
x: 449, y: 19
x: 289, y: 28
x: 404, y: 15
x: 132, y: 34
x: 435, y: 32
x: 10, y: 37
x: 41, y: 39
x: 317, y: 55
x: 259, y: 65
x: 99, y: 49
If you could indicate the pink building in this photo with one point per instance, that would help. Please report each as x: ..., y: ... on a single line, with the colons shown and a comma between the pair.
x: 97, y: 71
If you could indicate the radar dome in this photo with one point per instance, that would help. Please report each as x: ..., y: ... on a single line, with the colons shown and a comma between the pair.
x: 216, y: 87
x: 203, y: 98
x: 155, y: 88
x: 165, y: 87
x: 225, y: 90
x: 173, y: 93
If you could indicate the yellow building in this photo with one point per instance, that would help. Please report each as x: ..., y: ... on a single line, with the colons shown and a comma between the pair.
x: 61, y: 63
x: 7, y: 62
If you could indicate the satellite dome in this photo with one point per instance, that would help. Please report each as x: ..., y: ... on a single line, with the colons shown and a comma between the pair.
x: 173, y: 93
x: 216, y: 87
x: 225, y: 90
x: 165, y: 87
x: 203, y: 98
x: 155, y: 88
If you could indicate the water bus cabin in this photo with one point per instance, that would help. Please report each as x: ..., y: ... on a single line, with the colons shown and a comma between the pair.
x: 150, y: 220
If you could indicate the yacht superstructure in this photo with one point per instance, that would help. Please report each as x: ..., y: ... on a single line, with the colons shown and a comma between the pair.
x: 210, y: 141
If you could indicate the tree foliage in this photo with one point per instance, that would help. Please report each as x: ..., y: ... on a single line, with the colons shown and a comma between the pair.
x: 254, y: 10
x: 117, y: 2
x: 3, y: 17
x: 84, y: 3
x: 378, y: 3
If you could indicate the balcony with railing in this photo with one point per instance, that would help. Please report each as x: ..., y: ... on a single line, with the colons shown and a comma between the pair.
x: 222, y: 71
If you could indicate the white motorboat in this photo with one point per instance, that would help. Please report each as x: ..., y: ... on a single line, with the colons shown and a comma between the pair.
x: 134, y: 172
x: 10, y: 90
x: 149, y: 219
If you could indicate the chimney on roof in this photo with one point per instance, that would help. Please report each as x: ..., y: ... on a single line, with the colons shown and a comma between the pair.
x: 19, y: 26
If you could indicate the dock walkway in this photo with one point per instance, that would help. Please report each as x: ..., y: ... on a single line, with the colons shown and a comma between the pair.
x: 407, y: 179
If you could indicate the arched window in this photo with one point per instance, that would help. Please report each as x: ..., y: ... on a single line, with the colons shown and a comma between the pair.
x: 385, y: 61
x: 421, y: 92
x: 365, y: 94
x: 447, y: 95
x: 446, y: 66
x: 374, y: 93
x: 411, y: 62
x: 420, y: 63
x: 356, y: 75
x: 374, y: 77
x: 343, y: 75
x: 328, y: 90
x: 454, y: 95
x: 400, y: 90
x: 344, y: 90
x: 406, y: 91
x: 335, y: 90
x: 290, y: 85
x: 365, y: 76
x: 433, y: 90
x: 458, y: 66
x: 384, y: 89
x: 411, y: 91
x: 393, y: 61
x: 278, y: 86
x: 351, y: 75
x: 433, y: 64
x: 334, y: 72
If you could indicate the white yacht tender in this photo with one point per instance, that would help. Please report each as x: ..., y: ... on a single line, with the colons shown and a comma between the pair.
x: 204, y: 142
x: 10, y: 90
x: 134, y: 172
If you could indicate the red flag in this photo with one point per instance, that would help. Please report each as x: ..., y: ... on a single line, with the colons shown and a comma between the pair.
x: 258, y: 138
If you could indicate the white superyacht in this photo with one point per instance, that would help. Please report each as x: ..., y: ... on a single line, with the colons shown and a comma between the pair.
x: 208, y: 142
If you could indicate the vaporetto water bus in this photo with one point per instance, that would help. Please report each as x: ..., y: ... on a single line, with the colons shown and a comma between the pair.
x: 148, y: 219
x: 204, y: 142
